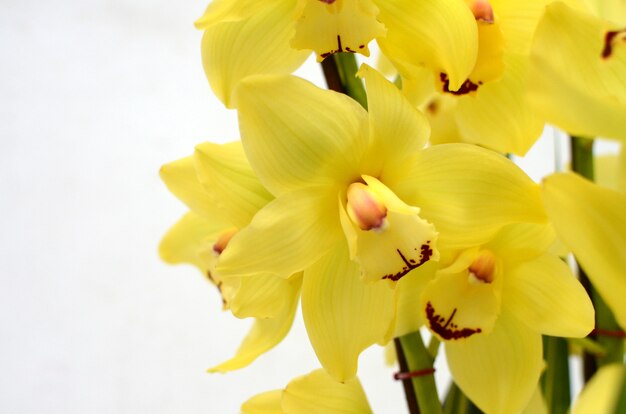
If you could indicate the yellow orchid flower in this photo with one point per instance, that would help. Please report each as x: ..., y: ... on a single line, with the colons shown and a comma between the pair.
x: 244, y: 37
x: 591, y: 221
x: 221, y: 191
x: 602, y: 394
x: 348, y: 184
x: 576, y: 79
x: 490, y: 109
x: 491, y: 305
x: 314, y: 393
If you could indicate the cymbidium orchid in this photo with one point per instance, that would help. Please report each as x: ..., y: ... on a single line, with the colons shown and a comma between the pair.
x: 221, y: 191
x: 356, y: 200
x: 244, y: 37
x: 490, y: 109
x: 491, y: 304
x: 579, y: 85
x: 316, y: 392
x: 341, y: 201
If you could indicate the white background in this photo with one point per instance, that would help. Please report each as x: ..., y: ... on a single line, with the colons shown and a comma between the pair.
x: 95, y: 96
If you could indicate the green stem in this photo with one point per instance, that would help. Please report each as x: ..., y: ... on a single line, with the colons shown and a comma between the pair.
x: 418, y: 359
x: 582, y: 156
x: 433, y: 346
x: 555, y: 381
x: 458, y: 403
x: 347, y: 68
x: 409, y: 392
x: 451, y: 400
x: 605, y: 321
x: 587, y: 345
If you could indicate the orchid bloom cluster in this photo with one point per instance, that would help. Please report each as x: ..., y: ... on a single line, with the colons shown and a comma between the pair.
x: 390, y: 203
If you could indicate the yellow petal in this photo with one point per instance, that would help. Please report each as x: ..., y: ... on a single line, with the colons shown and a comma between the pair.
x: 252, y: 42
x: 181, y: 179
x: 319, y: 393
x: 397, y: 129
x: 259, y: 296
x: 410, y: 315
x: 520, y: 242
x: 489, y: 62
x: 498, y: 115
x: 343, y: 315
x: 601, y: 394
x: 404, y: 243
x: 456, y: 306
x: 498, y: 372
x: 537, y: 404
x: 579, y: 86
x: 613, y: 10
x: 265, y: 333
x: 285, y: 236
x: 467, y: 192
x: 544, y: 294
x: 518, y: 20
x: 440, y: 110
x: 329, y: 27
x: 439, y: 34
x: 264, y: 403
x: 224, y: 172
x: 296, y: 134
x: 219, y: 11
x: 591, y: 221
x: 185, y: 240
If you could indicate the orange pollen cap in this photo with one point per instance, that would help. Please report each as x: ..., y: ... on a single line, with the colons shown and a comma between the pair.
x: 482, y: 11
x: 484, y: 266
x: 365, y: 208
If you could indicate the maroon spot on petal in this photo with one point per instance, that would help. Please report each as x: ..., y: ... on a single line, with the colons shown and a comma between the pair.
x: 425, y: 254
x: 333, y: 51
x: 339, y: 48
x: 609, y: 39
x: 361, y: 46
x: 328, y: 1
x: 447, y: 330
x: 467, y: 86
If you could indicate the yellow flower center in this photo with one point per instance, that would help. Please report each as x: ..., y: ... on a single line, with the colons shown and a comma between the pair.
x: 483, y: 268
x: 222, y: 240
x: 365, y: 208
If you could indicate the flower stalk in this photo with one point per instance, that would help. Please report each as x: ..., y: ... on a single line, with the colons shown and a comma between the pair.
x: 555, y: 381
x: 418, y: 358
x: 340, y: 72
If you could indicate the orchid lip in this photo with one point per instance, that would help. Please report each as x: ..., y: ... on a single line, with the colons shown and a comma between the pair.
x: 445, y: 327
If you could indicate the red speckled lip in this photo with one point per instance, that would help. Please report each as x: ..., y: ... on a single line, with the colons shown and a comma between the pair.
x: 444, y: 327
